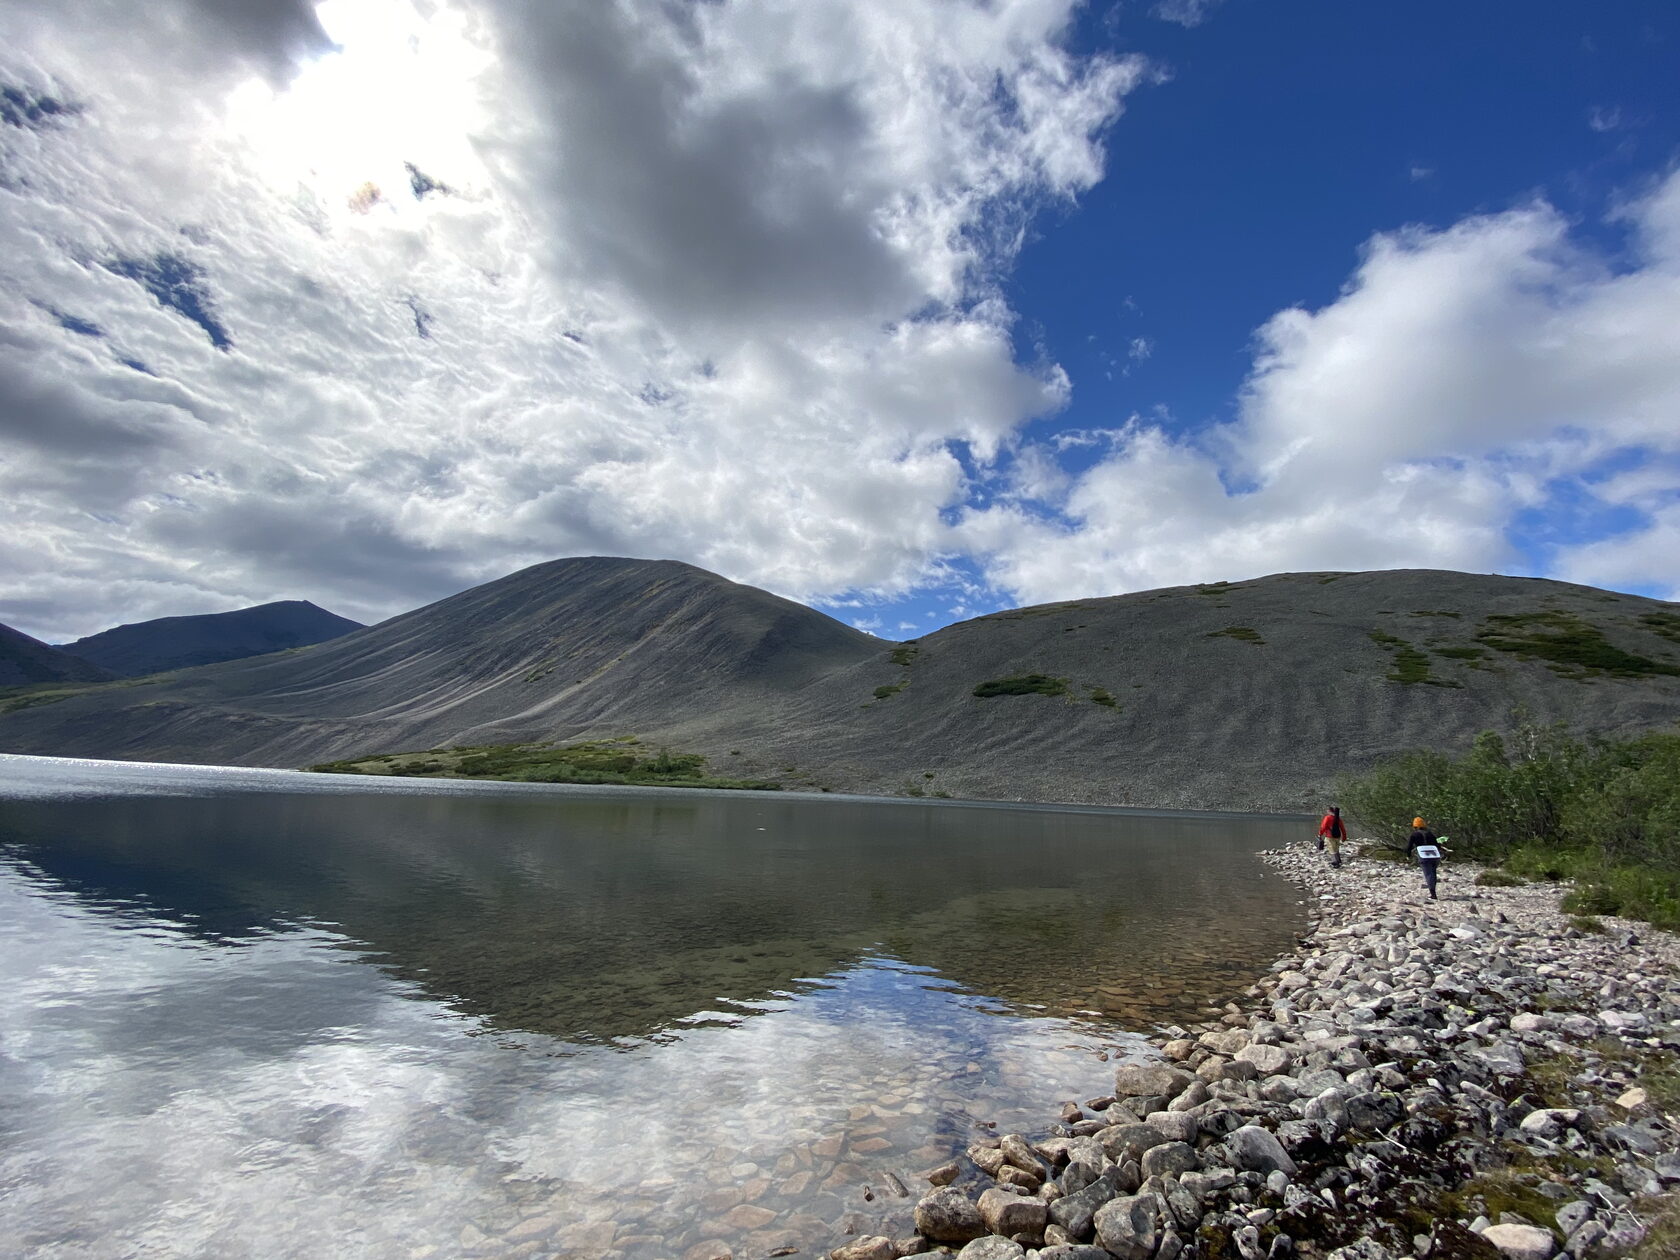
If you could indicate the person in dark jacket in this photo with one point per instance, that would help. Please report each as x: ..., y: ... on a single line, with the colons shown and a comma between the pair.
x: 1422, y: 845
x: 1331, y: 833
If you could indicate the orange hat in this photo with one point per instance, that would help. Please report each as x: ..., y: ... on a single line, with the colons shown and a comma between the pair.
x: 1417, y: 822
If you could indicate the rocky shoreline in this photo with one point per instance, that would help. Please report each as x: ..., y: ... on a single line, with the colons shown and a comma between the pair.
x: 1478, y: 1076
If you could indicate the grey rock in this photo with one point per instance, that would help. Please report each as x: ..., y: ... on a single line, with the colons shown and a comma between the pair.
x: 1371, y: 1112
x: 1571, y: 1216
x: 991, y: 1247
x: 1171, y: 1158
x: 1587, y: 1238
x: 946, y: 1215
x: 1254, y: 1149
x: 1248, y: 1243
x: 1312, y: 1084
x: 1017, y: 1152
x: 866, y: 1249
x: 1010, y: 1214
x: 1329, y: 1108
x: 1522, y: 1242
x: 943, y: 1175
x: 1364, y: 1249
x: 1126, y: 1227
x: 1074, y: 1212
x: 1170, y: 1247
x: 1130, y: 1141
x: 1175, y: 1126
x: 1267, y: 1060
x: 1133, y: 1080
x: 1194, y: 1095
x: 1077, y: 1175
x: 1074, y: 1251
x: 1505, y: 1058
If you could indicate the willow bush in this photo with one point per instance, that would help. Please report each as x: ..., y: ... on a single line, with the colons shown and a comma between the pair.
x: 1546, y: 804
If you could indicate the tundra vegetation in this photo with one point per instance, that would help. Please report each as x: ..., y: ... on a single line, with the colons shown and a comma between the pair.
x: 621, y: 761
x: 1546, y: 805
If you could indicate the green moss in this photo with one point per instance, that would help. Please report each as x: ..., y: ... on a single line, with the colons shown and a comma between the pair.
x: 1460, y: 653
x: 1099, y: 695
x: 1245, y: 634
x: 1022, y: 685
x: 905, y: 653
x: 1436, y: 612
x: 1217, y: 588
x: 1568, y: 645
x: 888, y: 689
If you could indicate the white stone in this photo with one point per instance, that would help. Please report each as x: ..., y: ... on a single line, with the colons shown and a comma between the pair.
x: 1522, y: 1242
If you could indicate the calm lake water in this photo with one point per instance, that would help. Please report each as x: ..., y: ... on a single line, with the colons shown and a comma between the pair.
x: 253, y: 1013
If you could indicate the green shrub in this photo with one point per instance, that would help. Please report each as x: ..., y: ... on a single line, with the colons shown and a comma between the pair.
x: 1604, y: 815
x: 1585, y: 923
x: 888, y: 689
x: 1099, y: 695
x: 1244, y: 634
x: 1022, y: 685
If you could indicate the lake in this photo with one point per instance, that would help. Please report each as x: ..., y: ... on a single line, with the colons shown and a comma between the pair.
x: 260, y: 1013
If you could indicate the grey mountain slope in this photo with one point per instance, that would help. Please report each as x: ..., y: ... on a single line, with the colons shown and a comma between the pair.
x: 147, y: 647
x: 566, y: 645
x: 24, y: 661
x: 670, y: 653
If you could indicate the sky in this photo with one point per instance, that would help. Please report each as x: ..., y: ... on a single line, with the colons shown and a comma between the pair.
x: 910, y: 310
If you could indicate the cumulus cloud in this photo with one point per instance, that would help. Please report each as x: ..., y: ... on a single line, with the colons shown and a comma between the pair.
x: 366, y: 302
x: 1462, y: 378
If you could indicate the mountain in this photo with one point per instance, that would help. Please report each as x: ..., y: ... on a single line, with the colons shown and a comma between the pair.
x: 25, y: 661
x: 149, y: 647
x: 1248, y: 695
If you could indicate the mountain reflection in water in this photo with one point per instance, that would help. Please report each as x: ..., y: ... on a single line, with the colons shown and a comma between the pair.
x: 601, y: 917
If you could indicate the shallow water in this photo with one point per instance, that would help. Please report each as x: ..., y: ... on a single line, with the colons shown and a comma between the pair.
x: 261, y: 1014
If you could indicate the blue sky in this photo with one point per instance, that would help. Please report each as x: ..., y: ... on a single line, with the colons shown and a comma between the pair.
x: 1276, y: 141
x: 909, y: 309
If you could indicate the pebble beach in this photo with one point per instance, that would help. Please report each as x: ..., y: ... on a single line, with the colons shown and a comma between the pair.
x: 1478, y: 1076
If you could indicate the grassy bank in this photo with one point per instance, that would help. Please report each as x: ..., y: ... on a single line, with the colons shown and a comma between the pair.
x: 622, y: 761
x: 1603, y: 814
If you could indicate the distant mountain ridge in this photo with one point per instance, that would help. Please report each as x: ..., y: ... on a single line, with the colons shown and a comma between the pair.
x: 150, y: 647
x: 25, y: 661
x: 1243, y: 695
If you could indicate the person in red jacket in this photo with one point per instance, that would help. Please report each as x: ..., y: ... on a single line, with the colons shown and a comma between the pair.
x: 1331, y: 833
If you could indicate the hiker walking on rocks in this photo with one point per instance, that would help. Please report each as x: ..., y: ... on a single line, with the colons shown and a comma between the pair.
x: 1331, y: 833
x: 1423, y: 846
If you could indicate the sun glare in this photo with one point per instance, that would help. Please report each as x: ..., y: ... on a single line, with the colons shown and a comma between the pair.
x: 399, y: 89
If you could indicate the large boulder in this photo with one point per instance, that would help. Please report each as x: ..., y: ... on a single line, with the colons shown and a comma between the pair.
x: 1010, y: 1214
x: 1121, y: 1142
x: 946, y: 1215
x: 1075, y: 1212
x: 1126, y: 1227
x: 1171, y: 1159
x: 1254, y: 1149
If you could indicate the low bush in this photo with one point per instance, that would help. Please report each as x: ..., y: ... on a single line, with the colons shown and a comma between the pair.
x: 1546, y: 805
x: 1022, y: 685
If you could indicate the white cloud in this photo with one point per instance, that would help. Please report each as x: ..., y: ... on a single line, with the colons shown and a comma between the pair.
x: 494, y: 283
x: 1462, y: 377
x: 1186, y: 12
